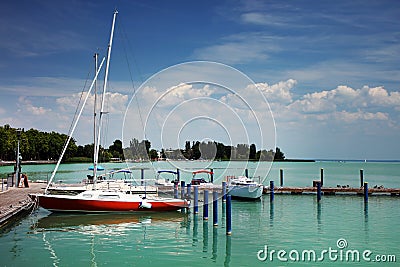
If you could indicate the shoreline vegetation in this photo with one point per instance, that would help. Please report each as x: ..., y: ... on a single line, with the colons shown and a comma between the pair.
x: 45, y: 147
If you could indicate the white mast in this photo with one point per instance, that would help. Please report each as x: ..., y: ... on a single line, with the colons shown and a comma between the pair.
x: 94, y: 116
x: 96, y: 155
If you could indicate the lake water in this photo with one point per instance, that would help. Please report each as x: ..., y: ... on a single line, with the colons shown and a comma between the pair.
x: 293, y: 230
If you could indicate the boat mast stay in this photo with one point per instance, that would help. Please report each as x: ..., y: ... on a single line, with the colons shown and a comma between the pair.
x: 97, y: 145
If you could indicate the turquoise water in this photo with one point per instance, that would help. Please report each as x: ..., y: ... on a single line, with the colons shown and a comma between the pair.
x: 291, y: 225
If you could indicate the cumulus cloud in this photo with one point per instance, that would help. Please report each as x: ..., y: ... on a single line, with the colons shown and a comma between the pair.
x: 26, y: 106
x: 342, y: 104
x: 115, y: 102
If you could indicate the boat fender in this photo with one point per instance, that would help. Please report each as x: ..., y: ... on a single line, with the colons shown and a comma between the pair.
x: 145, y: 205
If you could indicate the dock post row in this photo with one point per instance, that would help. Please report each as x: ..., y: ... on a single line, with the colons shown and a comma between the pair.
x: 228, y: 208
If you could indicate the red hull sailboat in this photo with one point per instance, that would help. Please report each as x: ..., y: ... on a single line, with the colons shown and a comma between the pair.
x: 102, y: 200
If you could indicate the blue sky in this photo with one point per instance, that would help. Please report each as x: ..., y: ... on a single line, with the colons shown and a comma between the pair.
x: 329, y: 69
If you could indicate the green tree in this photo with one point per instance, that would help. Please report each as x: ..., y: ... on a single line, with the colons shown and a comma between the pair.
x: 252, y: 152
x: 116, y: 149
x: 153, y: 154
x: 279, y: 156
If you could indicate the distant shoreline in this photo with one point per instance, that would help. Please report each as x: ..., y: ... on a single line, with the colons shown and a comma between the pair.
x: 28, y: 162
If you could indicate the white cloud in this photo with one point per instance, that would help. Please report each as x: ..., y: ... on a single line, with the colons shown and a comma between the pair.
x: 26, y: 106
x: 240, y: 48
x: 279, y: 92
x: 115, y: 102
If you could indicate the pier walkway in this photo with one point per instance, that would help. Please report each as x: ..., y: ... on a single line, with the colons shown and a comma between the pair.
x: 334, y: 190
x: 15, y: 202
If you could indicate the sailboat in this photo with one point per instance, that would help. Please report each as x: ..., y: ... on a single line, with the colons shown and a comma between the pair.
x: 99, y: 199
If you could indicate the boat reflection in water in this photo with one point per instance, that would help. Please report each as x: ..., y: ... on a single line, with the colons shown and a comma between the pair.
x: 95, y: 236
x: 74, y: 221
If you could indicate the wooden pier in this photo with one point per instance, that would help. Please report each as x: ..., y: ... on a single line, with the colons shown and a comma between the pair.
x: 334, y: 191
x: 15, y: 202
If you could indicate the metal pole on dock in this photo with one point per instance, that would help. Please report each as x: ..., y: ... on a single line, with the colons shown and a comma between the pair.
x: 271, y: 191
x: 215, y: 208
x: 205, y: 205
x: 228, y: 215
x: 223, y: 191
x: 319, y: 193
x: 322, y: 177
x: 365, y: 192
x: 196, y: 200
x: 182, y: 189
x: 281, y: 177
x: 361, y: 177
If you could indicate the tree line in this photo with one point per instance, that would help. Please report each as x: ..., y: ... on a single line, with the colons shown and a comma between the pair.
x: 38, y: 145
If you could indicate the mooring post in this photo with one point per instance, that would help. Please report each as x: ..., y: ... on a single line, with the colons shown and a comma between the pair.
x: 182, y: 189
x: 246, y: 173
x: 176, y: 190
x: 361, y: 177
x: 196, y: 200
x: 141, y: 176
x: 228, y: 215
x: 322, y: 177
x: 212, y: 175
x: 365, y: 192
x: 205, y: 205
x: 319, y: 193
x: 271, y: 190
x: 223, y: 191
x: 215, y: 208
x: 178, y: 175
x: 189, y: 191
x: 281, y: 177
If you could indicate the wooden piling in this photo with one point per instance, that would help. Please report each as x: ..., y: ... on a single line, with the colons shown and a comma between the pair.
x: 196, y: 200
x: 205, y: 205
x: 176, y: 190
x: 322, y: 177
x: 361, y: 177
x: 365, y: 192
x: 281, y: 177
x: 215, y: 208
x: 246, y: 173
x: 271, y: 189
x: 228, y: 215
x: 189, y: 191
x: 319, y: 193
x: 141, y: 176
x: 182, y: 189
x: 223, y: 191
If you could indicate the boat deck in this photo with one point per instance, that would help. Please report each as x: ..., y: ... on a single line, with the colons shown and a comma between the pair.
x: 15, y: 202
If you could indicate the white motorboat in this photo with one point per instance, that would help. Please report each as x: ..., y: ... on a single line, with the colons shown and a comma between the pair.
x: 244, y: 187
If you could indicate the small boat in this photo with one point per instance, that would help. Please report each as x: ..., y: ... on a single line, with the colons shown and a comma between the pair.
x: 245, y: 188
x: 200, y: 181
x: 102, y: 197
x: 167, y: 182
